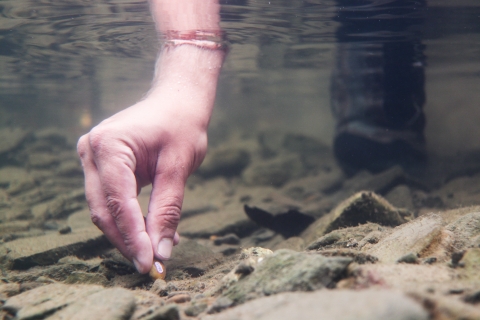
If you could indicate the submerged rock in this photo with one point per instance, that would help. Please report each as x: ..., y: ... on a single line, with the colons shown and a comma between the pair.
x: 148, y: 304
x: 220, y: 304
x: 360, y: 208
x: 351, y: 237
x: 470, y: 264
x: 249, y: 259
x: 112, y: 303
x: 42, y: 301
x: 329, y: 305
x: 167, y: 312
x: 190, y: 258
x: 423, y: 237
x: 68, y: 268
x: 466, y: 230
x: 366, y: 207
x: 287, y: 270
x: 402, y: 276
x: 196, y: 308
x: 49, y: 248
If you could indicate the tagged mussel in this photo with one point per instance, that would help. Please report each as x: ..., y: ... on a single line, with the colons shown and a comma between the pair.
x: 158, y: 270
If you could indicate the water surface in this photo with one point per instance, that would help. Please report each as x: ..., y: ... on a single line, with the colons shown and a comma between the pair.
x: 63, y: 63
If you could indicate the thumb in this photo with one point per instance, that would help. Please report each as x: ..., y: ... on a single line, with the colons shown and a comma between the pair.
x: 164, y: 210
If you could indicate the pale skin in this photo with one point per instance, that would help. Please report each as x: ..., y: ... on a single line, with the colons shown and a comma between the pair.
x: 160, y: 140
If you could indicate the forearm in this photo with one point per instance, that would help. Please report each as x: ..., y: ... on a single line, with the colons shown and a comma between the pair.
x: 185, y: 15
x: 187, y: 72
x: 189, y: 75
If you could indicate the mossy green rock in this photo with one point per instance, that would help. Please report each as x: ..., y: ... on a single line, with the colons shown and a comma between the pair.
x: 287, y: 270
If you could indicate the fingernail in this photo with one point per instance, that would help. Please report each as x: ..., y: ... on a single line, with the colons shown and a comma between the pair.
x: 165, y: 248
x: 137, y: 264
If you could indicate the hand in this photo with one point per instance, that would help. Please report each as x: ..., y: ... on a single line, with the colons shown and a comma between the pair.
x: 160, y: 140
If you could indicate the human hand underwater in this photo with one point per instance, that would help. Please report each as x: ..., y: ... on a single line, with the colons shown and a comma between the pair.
x: 160, y: 140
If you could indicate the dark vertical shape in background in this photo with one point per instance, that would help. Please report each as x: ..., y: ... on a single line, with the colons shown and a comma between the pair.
x: 377, y: 87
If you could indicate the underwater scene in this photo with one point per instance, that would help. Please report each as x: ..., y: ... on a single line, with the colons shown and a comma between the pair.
x: 341, y: 178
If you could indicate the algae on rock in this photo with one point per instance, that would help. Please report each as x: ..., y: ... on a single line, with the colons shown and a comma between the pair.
x: 287, y: 270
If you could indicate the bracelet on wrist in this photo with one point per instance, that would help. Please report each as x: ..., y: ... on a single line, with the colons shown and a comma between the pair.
x: 204, y: 39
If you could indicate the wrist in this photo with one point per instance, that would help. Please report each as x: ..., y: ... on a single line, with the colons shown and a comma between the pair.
x: 188, y: 66
x: 188, y: 76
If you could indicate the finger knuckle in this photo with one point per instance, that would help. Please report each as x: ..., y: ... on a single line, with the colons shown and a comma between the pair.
x: 178, y: 170
x: 99, y: 141
x: 96, y: 219
x: 83, y: 147
x: 170, y: 216
x: 114, y: 205
x: 130, y: 241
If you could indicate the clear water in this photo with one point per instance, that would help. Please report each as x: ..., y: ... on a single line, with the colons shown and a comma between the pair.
x: 73, y: 63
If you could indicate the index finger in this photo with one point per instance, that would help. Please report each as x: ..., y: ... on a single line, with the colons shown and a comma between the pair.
x: 118, y: 183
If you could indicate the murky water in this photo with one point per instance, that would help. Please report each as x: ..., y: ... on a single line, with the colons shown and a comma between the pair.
x: 73, y: 63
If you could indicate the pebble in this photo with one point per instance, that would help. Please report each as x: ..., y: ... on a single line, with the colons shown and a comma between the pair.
x: 65, y: 230
x: 430, y: 260
x: 179, y: 298
x: 244, y: 269
x: 408, y: 258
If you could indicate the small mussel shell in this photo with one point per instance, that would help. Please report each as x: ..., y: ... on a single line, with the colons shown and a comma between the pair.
x: 158, y: 270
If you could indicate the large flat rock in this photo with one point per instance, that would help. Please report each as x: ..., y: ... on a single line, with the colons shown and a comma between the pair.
x: 423, y: 237
x: 328, y: 305
x: 40, y: 302
x: 49, y: 248
x: 466, y: 230
x: 112, y: 303
x: 403, y: 276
